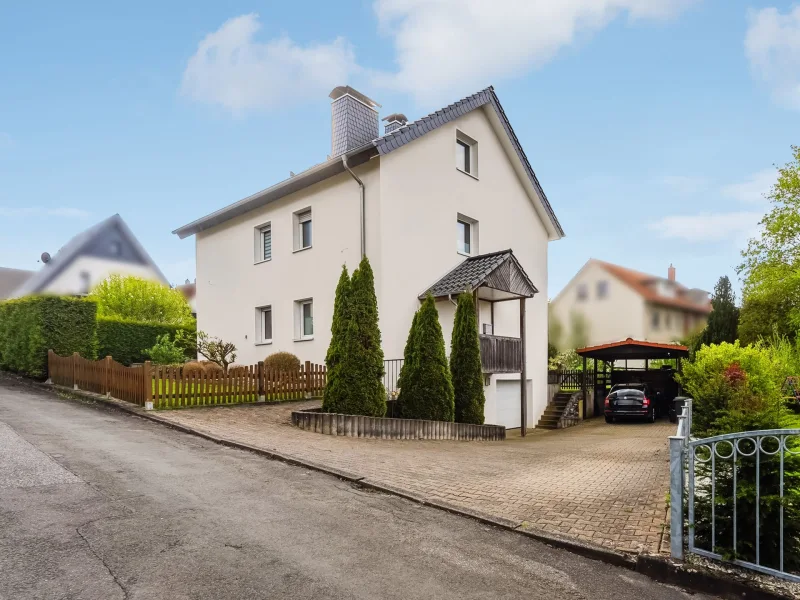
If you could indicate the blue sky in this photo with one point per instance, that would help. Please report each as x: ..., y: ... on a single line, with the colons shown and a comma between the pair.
x: 653, y: 125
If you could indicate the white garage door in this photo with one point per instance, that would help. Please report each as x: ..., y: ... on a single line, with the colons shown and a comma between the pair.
x: 508, y: 404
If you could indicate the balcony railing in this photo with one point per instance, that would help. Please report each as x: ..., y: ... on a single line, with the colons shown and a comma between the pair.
x: 501, y: 354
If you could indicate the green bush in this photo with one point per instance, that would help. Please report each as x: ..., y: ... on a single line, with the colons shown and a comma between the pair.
x: 333, y: 395
x: 355, y: 356
x: 31, y: 326
x: 135, y: 299
x: 465, y: 364
x: 427, y: 388
x: 128, y: 341
x: 283, y: 362
x: 738, y: 388
x: 167, y: 351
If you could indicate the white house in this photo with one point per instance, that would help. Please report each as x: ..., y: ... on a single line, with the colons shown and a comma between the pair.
x: 443, y: 204
x: 616, y: 303
x: 107, y: 248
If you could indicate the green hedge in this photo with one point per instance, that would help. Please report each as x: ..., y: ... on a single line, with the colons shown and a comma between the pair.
x: 30, y: 326
x: 126, y: 341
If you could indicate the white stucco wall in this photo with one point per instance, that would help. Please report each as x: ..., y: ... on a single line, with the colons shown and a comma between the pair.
x: 414, y: 195
x: 422, y: 193
x: 619, y: 315
x: 230, y: 286
x: 70, y: 281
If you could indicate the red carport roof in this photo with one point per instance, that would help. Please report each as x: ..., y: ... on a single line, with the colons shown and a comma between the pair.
x: 634, y: 349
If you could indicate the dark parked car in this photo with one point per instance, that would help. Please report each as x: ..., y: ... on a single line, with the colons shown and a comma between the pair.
x: 630, y: 400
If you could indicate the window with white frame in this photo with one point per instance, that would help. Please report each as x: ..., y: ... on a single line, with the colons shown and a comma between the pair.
x: 466, y: 154
x: 304, y: 319
x: 466, y: 235
x: 302, y: 229
x: 655, y: 319
x: 602, y: 289
x: 583, y: 292
x: 264, y: 325
x: 263, y: 242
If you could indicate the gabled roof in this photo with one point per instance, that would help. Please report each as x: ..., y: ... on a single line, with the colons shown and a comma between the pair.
x: 76, y: 247
x: 634, y: 349
x: 641, y: 284
x: 499, y: 270
x: 381, y: 146
x: 11, y: 279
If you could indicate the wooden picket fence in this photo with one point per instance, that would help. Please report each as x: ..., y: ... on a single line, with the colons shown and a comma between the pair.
x: 169, y: 387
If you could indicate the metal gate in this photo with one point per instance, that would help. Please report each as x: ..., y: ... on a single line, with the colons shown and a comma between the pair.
x: 718, y: 482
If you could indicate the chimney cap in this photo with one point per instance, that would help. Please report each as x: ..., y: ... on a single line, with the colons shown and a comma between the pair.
x: 399, y: 117
x: 344, y: 90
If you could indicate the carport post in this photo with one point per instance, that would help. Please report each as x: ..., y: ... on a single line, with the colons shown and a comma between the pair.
x: 583, y: 386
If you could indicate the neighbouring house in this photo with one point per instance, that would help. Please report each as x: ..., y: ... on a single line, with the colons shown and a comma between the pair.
x: 11, y: 279
x: 443, y: 204
x: 107, y: 248
x: 189, y: 291
x: 612, y: 303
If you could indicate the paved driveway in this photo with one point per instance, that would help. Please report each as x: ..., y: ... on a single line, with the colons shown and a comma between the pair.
x: 601, y: 483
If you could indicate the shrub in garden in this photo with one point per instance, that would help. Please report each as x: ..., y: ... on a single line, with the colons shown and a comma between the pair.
x: 735, y: 389
x: 127, y: 341
x: 334, y: 389
x: 283, y: 362
x: 137, y: 299
x: 31, y: 326
x: 465, y: 364
x: 216, y: 350
x: 167, y: 351
x: 355, y: 356
x: 193, y: 368
x: 427, y: 387
x: 211, y: 368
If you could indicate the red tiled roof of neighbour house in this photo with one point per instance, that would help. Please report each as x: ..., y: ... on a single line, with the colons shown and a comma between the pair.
x: 189, y: 290
x: 639, y: 282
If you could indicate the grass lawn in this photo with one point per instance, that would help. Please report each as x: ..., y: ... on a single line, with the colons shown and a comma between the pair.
x: 180, y: 394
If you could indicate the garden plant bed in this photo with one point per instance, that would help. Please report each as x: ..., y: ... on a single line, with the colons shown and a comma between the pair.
x: 387, y: 428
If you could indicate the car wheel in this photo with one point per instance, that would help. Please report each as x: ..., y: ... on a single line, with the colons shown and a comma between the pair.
x: 609, y: 419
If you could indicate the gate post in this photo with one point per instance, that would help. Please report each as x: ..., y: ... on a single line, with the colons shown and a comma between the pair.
x: 308, y: 383
x: 108, y: 376
x: 260, y: 371
x: 676, y: 445
x: 74, y: 367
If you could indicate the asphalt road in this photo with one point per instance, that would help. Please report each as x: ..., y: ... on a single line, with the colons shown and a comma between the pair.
x: 97, y: 504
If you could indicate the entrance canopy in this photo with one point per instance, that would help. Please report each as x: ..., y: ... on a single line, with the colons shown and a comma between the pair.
x: 495, y: 277
x: 631, y: 349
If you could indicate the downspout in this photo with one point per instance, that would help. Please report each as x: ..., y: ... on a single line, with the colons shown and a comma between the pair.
x: 363, y: 206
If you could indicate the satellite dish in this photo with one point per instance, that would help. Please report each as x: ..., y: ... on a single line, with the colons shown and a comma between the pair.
x: 45, y: 257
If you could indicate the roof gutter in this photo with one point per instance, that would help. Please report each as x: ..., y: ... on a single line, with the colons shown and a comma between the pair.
x: 363, y: 206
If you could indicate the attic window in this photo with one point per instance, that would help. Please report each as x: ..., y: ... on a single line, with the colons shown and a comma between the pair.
x: 466, y: 154
x: 115, y: 248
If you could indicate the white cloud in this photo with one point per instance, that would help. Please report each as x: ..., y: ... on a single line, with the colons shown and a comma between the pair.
x: 39, y: 211
x: 445, y: 47
x: 232, y: 69
x: 709, y: 227
x: 753, y: 189
x: 772, y: 45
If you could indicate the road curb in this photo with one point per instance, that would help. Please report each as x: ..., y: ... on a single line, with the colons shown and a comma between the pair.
x: 656, y: 567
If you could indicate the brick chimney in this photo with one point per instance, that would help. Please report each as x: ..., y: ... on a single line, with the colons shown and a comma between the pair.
x: 671, y: 273
x: 354, y: 120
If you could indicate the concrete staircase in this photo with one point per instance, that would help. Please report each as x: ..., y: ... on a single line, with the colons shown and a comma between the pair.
x: 552, y: 414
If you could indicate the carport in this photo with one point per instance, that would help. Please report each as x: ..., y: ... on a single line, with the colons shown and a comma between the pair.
x: 630, y: 350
